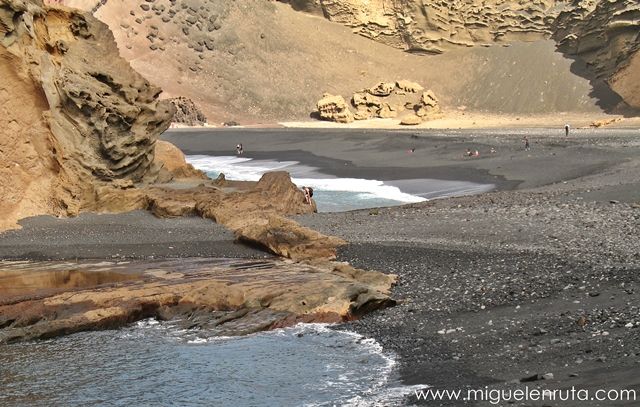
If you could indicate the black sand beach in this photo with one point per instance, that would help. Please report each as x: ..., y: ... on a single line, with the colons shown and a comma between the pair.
x: 384, y: 154
x: 541, y: 276
x: 133, y: 235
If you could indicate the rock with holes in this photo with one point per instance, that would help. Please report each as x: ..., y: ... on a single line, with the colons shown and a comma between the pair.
x: 74, y: 116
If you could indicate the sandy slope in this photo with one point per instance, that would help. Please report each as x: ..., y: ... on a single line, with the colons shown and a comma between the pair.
x: 271, y: 63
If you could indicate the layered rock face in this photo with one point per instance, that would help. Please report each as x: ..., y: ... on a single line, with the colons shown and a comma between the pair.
x: 232, y: 297
x: 605, y: 34
x: 75, y: 116
x: 434, y: 26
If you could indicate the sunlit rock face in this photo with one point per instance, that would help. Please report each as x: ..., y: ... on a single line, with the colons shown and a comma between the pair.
x: 75, y: 116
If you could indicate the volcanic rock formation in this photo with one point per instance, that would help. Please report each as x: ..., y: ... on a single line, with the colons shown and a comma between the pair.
x: 78, y: 130
x: 334, y: 108
x: 604, y: 34
x: 227, y: 297
x: 187, y: 112
x: 75, y: 117
x: 248, y: 71
x: 384, y: 100
x: 173, y: 161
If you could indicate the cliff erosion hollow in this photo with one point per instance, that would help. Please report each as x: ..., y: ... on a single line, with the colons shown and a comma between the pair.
x: 78, y: 132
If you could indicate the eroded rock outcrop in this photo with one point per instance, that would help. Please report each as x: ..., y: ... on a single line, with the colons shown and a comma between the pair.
x: 187, y: 112
x: 86, y: 140
x: 385, y: 100
x: 606, y: 35
x: 75, y: 117
x: 78, y: 133
x: 334, y: 108
x: 435, y: 26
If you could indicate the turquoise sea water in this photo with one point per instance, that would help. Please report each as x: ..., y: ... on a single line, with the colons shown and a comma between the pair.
x: 333, y: 194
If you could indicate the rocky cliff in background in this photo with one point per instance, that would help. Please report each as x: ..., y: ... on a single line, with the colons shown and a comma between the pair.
x: 432, y: 27
x: 605, y: 35
x: 235, y: 67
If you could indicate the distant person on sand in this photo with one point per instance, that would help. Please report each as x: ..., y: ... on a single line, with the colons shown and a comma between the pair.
x: 239, y: 149
x: 527, y: 147
x: 493, y: 150
x: 411, y: 150
x: 566, y: 129
x: 468, y: 153
x: 308, y: 194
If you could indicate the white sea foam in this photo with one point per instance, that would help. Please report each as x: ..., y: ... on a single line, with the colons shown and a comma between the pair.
x: 246, y: 169
x: 381, y: 392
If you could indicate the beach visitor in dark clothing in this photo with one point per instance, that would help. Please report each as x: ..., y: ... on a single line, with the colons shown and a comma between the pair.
x: 308, y: 194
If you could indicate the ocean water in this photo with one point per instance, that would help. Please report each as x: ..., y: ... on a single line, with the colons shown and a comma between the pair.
x: 333, y: 194
x: 158, y: 364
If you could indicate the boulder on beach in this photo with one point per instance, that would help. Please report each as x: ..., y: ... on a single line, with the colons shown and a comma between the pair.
x: 334, y: 108
x: 384, y: 101
x: 410, y: 120
x: 187, y: 112
x: 172, y: 160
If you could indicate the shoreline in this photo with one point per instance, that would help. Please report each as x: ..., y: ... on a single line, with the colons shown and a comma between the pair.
x: 459, y: 119
x: 383, y: 155
x: 512, y: 262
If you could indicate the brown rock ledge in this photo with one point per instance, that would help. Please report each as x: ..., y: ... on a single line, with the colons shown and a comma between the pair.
x: 228, y: 297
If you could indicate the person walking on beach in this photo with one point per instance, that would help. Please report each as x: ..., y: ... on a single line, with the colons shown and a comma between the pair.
x: 527, y: 147
x: 566, y: 130
x: 239, y: 149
